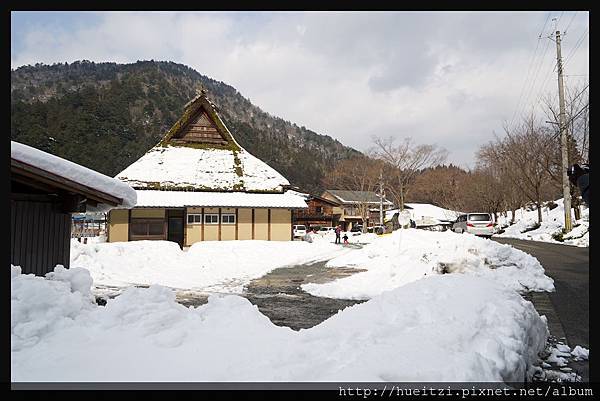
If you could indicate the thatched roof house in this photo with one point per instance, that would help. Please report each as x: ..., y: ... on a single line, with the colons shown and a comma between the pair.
x: 199, y: 184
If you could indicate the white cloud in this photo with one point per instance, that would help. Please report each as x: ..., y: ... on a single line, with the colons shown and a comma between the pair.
x: 444, y: 78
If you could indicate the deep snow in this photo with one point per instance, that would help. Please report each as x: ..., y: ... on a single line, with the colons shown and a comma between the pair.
x: 552, y: 223
x: 446, y: 328
x: 408, y: 255
x: 211, y: 266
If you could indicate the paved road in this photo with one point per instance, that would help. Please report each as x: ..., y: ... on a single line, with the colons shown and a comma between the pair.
x: 568, y: 308
x: 569, y: 267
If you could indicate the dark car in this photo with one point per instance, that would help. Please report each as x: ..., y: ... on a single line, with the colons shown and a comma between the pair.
x: 356, y: 229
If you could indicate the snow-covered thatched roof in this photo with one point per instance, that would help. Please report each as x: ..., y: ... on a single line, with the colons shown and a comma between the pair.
x: 199, y: 154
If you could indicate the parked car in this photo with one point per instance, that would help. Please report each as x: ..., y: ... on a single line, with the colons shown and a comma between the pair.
x: 299, y: 231
x: 480, y: 224
x: 326, y: 230
x: 376, y: 229
x: 356, y: 228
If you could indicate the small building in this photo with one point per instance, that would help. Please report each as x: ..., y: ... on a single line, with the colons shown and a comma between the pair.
x: 353, y: 205
x: 320, y: 212
x: 199, y: 184
x: 45, y: 191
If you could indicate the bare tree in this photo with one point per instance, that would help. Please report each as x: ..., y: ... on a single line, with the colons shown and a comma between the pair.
x: 403, y: 161
x: 523, y: 155
x: 577, y: 116
x: 441, y: 186
x: 359, y: 174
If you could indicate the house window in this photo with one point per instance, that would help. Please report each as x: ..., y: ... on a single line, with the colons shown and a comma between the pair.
x: 211, y: 219
x: 228, y: 218
x: 319, y: 209
x: 194, y: 218
x: 147, y: 228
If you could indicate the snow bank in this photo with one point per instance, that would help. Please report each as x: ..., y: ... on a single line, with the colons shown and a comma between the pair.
x: 41, y: 307
x: 74, y: 172
x: 552, y: 224
x: 452, y: 328
x: 219, y: 266
x: 409, y: 255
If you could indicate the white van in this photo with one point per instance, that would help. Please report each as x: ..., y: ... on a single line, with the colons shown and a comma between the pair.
x: 299, y: 231
x: 480, y: 224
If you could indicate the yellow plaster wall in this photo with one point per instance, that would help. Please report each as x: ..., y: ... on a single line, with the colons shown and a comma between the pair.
x: 118, y: 225
x: 148, y: 213
x: 261, y: 224
x: 244, y: 224
x: 281, y: 224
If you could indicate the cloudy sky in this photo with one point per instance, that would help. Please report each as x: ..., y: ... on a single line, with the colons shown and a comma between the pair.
x: 445, y: 78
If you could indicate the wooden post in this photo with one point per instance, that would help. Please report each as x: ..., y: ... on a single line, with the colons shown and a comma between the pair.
x: 253, y: 223
x: 269, y: 224
x: 202, y: 226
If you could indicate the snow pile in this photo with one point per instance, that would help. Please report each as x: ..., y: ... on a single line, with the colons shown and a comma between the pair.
x: 411, y: 254
x: 74, y: 172
x: 221, y: 266
x: 552, y: 224
x: 456, y: 328
x: 41, y: 307
x: 580, y: 352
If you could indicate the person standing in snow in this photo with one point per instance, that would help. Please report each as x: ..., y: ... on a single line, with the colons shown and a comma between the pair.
x: 338, y: 232
x: 345, y: 238
x: 580, y: 177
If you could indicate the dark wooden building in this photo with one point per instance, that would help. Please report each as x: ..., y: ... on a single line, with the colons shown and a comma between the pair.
x: 321, y: 212
x: 45, y: 190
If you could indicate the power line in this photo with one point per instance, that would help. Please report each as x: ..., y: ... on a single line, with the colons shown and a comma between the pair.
x: 570, y: 22
x: 534, y: 80
x: 525, y: 82
x: 579, y: 42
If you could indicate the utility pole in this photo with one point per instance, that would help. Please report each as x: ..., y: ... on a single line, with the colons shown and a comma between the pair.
x: 380, y: 197
x: 563, y: 138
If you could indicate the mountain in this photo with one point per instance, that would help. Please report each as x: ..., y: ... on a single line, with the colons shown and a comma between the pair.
x: 106, y: 115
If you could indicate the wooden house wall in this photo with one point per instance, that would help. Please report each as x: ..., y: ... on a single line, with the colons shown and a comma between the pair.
x: 40, y: 236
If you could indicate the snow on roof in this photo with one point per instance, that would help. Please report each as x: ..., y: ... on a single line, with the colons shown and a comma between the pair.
x: 426, y: 214
x: 200, y: 153
x: 153, y: 198
x: 357, y: 196
x: 179, y: 167
x: 73, y: 172
x: 421, y: 210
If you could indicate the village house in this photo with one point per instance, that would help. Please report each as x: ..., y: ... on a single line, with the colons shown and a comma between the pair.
x: 45, y: 191
x: 353, y: 205
x: 320, y: 212
x: 199, y: 184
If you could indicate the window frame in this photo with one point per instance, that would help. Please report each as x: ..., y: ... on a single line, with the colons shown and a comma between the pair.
x: 147, y: 221
x: 194, y: 222
x: 211, y: 215
x: 230, y: 215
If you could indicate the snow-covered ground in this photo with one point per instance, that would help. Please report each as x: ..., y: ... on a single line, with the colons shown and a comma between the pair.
x: 454, y: 327
x: 552, y: 223
x: 211, y: 266
x: 411, y: 254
